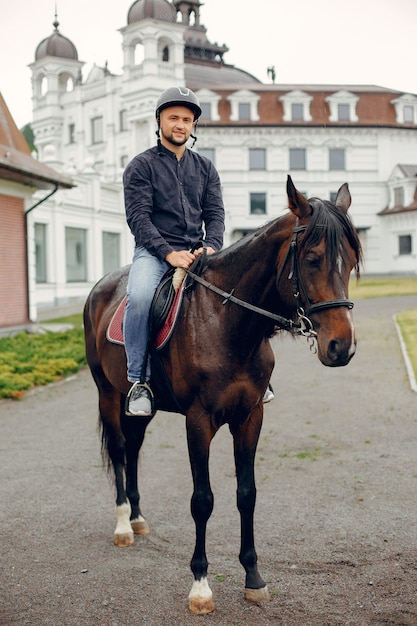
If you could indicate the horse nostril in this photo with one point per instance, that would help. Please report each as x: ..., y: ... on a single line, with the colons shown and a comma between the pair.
x: 335, y: 349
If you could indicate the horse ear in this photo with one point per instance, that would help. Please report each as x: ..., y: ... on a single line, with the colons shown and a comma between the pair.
x: 297, y: 203
x: 343, y: 198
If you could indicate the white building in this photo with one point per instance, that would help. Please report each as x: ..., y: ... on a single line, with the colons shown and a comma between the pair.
x: 89, y: 128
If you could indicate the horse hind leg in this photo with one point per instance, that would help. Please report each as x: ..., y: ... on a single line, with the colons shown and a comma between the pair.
x: 114, y: 450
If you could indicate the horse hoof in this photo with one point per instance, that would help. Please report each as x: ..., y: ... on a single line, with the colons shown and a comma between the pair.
x: 257, y: 596
x: 140, y: 527
x: 123, y: 540
x: 201, y: 606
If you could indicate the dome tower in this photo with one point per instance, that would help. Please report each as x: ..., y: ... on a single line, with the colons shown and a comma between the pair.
x: 55, y: 71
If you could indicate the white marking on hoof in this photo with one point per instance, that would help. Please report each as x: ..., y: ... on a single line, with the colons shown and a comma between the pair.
x: 200, y: 598
x: 140, y: 526
x: 123, y: 535
x: 256, y: 596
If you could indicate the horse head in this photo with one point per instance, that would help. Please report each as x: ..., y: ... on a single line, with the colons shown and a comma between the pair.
x: 325, y: 249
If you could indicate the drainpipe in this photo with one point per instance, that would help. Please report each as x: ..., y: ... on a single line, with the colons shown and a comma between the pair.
x: 27, y: 243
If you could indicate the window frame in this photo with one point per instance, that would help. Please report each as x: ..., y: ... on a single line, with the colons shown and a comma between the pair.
x: 293, y: 155
x: 256, y: 197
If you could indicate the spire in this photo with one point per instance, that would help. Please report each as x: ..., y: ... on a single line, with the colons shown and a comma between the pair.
x: 55, y: 23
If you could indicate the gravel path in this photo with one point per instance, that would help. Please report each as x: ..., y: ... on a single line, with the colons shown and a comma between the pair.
x: 336, y: 518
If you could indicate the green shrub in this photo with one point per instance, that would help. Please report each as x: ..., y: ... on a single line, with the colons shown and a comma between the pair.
x: 28, y: 360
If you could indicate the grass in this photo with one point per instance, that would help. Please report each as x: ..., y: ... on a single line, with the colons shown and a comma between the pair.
x: 407, y: 321
x: 28, y: 360
x: 382, y: 287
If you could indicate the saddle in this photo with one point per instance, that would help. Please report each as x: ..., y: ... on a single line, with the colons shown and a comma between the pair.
x: 165, y: 307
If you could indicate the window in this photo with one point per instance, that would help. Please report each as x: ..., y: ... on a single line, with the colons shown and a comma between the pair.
x: 337, y: 159
x: 343, y: 112
x: 404, y: 244
x: 257, y: 159
x: 111, y: 252
x: 333, y: 196
x: 398, y: 196
x: 244, y: 110
x: 205, y: 110
x: 209, y: 153
x: 342, y: 105
x: 123, y: 120
x: 244, y: 105
x: 409, y: 114
x: 96, y: 129
x: 76, y: 253
x: 296, y: 105
x: 258, y: 203
x: 405, y: 109
x: 71, y: 133
x: 297, y: 111
x: 297, y: 159
x: 40, y: 253
x: 124, y: 160
x: 209, y: 103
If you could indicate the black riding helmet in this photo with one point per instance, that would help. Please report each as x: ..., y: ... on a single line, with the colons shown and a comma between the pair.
x: 179, y: 96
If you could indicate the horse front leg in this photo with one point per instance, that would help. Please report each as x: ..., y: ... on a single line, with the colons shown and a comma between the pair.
x: 134, y: 432
x: 245, y: 441
x: 200, y: 598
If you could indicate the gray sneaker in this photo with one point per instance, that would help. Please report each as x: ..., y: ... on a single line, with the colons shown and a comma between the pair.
x: 139, y: 401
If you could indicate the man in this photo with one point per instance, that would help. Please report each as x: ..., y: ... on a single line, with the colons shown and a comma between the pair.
x: 173, y: 200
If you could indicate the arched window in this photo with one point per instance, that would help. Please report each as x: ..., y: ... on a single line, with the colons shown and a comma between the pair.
x: 44, y: 85
x: 139, y: 53
x: 165, y: 54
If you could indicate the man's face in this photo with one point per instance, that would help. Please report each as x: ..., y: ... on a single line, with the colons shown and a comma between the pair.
x: 177, y: 123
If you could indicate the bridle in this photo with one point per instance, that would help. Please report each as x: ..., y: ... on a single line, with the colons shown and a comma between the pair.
x: 297, y: 282
x: 303, y: 326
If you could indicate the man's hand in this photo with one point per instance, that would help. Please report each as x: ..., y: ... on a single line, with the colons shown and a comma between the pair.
x: 209, y: 250
x: 180, y: 258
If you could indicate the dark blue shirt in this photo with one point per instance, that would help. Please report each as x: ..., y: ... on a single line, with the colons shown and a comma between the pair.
x: 168, y: 202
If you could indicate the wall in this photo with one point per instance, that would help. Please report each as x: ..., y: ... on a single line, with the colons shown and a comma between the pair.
x: 13, y: 279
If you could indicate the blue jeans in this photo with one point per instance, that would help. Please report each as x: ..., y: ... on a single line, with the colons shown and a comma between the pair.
x: 144, y: 277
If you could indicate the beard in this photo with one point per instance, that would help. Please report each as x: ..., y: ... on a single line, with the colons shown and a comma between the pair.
x: 175, y: 142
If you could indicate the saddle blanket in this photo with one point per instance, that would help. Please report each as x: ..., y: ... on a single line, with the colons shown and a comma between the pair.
x: 115, y: 328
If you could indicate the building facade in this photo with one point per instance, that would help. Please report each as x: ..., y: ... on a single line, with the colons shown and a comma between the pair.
x: 20, y: 176
x: 323, y: 135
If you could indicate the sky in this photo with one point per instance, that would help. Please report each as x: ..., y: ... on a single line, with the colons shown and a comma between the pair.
x: 349, y: 42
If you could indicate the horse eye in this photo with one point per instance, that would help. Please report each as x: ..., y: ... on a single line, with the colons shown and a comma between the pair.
x: 313, y: 261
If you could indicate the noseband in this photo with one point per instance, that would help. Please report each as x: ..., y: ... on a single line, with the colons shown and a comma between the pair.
x: 299, y: 290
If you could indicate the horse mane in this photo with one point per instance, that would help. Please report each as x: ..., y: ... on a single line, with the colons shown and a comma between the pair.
x: 331, y: 222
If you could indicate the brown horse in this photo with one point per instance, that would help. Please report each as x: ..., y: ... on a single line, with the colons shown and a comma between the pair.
x: 291, y: 274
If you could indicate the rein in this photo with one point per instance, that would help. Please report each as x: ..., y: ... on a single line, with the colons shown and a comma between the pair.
x: 285, y: 323
x: 304, y: 325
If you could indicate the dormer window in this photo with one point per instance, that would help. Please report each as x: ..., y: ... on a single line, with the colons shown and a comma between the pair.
x: 343, y: 112
x: 342, y: 106
x: 244, y: 106
x: 408, y: 114
x: 244, y: 110
x: 209, y: 102
x: 297, y: 111
x: 296, y: 106
x: 405, y: 109
x: 398, y: 196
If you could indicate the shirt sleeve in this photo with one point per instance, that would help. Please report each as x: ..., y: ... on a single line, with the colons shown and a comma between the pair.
x: 139, y: 200
x: 213, y: 210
